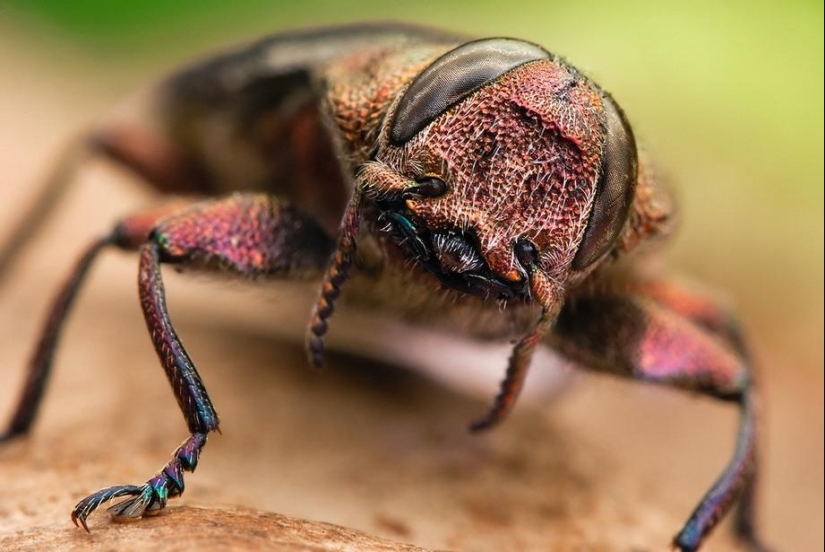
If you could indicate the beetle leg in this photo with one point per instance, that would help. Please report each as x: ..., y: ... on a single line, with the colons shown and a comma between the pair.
x: 249, y: 235
x: 690, y: 302
x: 647, y: 339
x: 693, y: 304
x: 189, y: 391
x: 40, y: 364
x: 129, y: 235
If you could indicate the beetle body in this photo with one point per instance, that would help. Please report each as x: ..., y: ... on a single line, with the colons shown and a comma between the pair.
x: 300, y: 115
x: 483, y: 188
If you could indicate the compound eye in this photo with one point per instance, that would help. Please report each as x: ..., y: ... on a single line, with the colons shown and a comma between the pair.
x: 453, y: 77
x: 614, y: 190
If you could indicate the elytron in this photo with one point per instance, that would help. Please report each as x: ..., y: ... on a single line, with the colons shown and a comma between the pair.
x: 483, y: 188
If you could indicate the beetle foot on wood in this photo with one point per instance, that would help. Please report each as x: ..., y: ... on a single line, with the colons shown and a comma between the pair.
x: 149, y: 498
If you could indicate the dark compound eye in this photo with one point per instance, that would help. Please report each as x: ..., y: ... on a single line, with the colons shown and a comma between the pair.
x: 428, y: 186
x: 454, y: 76
x: 614, y: 190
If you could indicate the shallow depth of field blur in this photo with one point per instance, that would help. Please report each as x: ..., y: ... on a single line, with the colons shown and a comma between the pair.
x: 728, y: 98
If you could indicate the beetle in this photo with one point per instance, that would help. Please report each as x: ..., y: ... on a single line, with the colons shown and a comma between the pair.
x: 483, y: 187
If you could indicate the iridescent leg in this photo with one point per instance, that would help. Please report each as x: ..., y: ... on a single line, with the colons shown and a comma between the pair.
x: 127, y: 235
x: 40, y: 364
x: 655, y: 340
x: 249, y: 235
x: 693, y: 304
x: 190, y: 393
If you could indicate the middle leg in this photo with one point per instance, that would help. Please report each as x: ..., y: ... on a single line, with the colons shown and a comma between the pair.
x: 645, y: 337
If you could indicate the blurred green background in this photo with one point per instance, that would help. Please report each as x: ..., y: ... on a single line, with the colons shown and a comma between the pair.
x: 728, y: 97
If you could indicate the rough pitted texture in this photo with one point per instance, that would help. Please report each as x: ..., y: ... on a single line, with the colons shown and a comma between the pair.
x: 245, y: 234
x: 520, y: 159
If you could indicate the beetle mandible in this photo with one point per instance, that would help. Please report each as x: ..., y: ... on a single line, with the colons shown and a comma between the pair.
x: 484, y: 187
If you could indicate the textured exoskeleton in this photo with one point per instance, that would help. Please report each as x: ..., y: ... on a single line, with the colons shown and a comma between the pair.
x: 483, y: 187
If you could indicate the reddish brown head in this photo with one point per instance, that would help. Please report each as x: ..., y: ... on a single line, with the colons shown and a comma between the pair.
x: 503, y: 172
x: 499, y: 160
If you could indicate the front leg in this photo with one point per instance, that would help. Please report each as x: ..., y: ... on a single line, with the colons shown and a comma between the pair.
x: 250, y: 236
x: 650, y: 338
x: 189, y: 391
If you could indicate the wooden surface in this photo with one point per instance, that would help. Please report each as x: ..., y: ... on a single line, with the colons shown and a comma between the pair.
x: 208, y: 529
x: 608, y: 466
